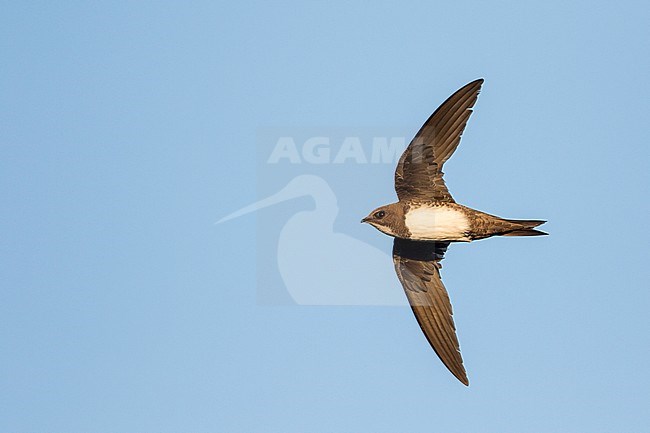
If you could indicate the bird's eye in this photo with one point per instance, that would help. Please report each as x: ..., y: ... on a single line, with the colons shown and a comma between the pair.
x: 380, y: 214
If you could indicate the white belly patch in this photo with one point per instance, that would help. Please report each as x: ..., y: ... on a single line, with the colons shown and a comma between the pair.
x: 437, y: 223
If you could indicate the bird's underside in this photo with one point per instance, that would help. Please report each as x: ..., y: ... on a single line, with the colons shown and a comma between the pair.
x: 449, y: 221
x: 426, y: 219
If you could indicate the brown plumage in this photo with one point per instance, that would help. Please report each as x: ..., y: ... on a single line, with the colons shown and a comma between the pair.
x: 426, y: 219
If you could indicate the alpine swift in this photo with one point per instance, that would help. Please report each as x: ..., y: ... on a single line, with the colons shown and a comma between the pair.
x: 426, y: 219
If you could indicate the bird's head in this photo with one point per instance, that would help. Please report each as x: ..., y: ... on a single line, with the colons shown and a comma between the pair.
x: 387, y: 219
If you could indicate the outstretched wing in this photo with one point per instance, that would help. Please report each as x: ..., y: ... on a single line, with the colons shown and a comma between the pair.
x: 418, y: 268
x: 419, y: 170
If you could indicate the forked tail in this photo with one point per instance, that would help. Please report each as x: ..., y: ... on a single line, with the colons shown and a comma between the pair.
x: 525, y: 228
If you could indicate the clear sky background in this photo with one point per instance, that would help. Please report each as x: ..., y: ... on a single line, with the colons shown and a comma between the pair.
x: 128, y: 128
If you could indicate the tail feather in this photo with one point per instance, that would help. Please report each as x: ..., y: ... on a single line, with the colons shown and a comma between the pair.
x: 525, y: 232
x: 527, y: 224
x: 525, y: 228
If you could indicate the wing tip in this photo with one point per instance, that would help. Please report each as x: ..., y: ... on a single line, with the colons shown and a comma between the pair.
x: 459, y: 372
x: 476, y: 83
x: 472, y: 87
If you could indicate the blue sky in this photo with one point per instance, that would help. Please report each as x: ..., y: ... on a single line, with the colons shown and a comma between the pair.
x: 128, y: 128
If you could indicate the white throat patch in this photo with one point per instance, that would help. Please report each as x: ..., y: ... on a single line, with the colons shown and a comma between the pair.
x: 437, y: 223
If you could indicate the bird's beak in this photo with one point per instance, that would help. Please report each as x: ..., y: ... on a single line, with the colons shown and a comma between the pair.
x: 365, y: 220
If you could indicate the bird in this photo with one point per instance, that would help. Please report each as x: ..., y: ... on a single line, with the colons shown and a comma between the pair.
x: 426, y: 220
